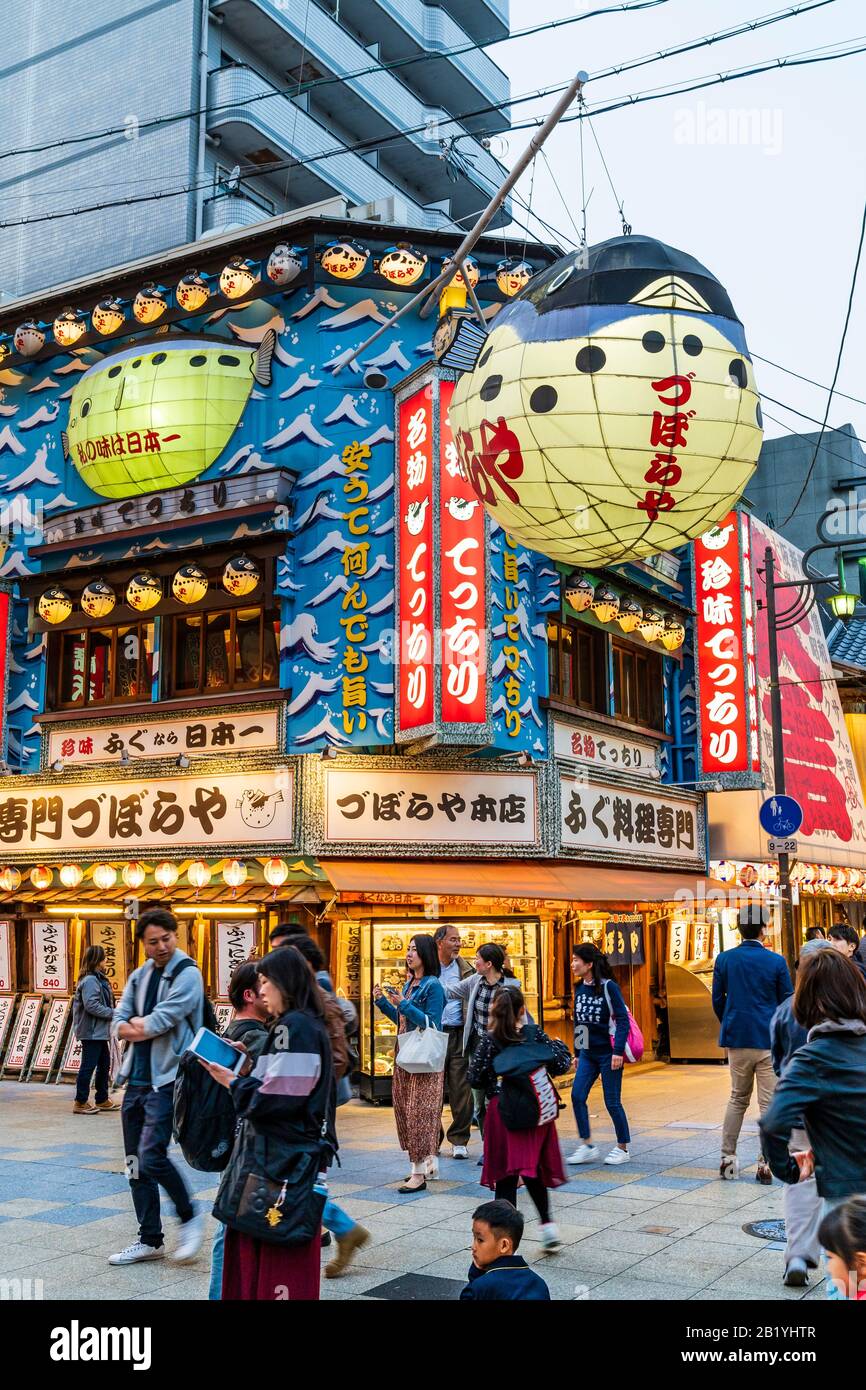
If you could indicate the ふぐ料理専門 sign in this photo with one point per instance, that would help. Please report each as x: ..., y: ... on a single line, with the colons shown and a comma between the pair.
x: 398, y: 808
x: 50, y: 960
x: 127, y: 816
x: 235, y: 943
x: 165, y: 738
x: 631, y: 825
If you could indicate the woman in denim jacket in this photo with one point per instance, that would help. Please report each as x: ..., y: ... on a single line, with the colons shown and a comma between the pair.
x: 417, y: 1096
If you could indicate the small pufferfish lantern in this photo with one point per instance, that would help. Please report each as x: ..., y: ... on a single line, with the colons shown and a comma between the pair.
x: 150, y: 303
x: 98, y: 599
x: 612, y: 411
x: 513, y: 275
x: 192, y: 291
x: 240, y: 576
x: 190, y: 584
x: 284, y: 264
x: 108, y: 315
x: 143, y: 592
x: 69, y: 326
x: 238, y: 277
x: 29, y: 338
x: 401, y: 264
x: 345, y: 260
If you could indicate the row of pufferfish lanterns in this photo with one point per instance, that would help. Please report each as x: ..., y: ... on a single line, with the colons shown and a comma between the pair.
x: 401, y: 265
x: 144, y: 591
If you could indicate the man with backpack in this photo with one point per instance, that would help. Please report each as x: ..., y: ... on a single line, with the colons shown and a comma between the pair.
x: 158, y: 1015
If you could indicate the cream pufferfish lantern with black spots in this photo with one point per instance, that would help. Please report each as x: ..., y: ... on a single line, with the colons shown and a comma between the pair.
x: 612, y: 412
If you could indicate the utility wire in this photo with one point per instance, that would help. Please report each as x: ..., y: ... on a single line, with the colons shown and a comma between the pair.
x: 316, y: 83
x: 821, y: 387
x: 804, y: 416
x: 832, y: 453
x: 836, y: 372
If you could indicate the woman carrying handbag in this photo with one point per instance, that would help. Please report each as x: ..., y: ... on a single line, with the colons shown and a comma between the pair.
x: 417, y: 1095
x: 271, y: 1197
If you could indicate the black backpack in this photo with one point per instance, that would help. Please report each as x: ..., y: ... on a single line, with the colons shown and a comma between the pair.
x: 204, y: 1117
x: 527, y: 1096
x: 208, y: 1016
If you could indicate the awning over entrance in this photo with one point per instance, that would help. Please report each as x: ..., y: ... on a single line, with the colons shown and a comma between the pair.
x: 516, y: 879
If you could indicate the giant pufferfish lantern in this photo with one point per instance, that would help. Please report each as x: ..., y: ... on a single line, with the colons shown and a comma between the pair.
x: 612, y: 411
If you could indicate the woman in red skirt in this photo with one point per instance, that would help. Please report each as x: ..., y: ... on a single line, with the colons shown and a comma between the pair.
x: 533, y: 1153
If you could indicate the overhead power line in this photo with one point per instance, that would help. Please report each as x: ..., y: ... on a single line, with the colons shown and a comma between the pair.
x: 821, y: 387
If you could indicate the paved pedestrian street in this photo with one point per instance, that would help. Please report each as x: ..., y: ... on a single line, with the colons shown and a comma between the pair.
x: 663, y: 1227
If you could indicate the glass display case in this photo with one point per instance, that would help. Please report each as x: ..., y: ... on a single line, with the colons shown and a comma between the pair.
x: 383, y: 961
x: 693, y: 944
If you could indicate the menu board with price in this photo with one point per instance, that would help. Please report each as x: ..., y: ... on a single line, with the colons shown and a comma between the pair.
x: 51, y: 1035
x: 24, y: 1033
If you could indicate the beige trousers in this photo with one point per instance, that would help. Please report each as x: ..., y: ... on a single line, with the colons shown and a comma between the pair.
x: 748, y: 1065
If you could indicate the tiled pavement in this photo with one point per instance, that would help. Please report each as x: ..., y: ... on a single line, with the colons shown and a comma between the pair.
x: 662, y: 1227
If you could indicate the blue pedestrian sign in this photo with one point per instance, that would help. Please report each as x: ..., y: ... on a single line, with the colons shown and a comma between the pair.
x: 781, y: 816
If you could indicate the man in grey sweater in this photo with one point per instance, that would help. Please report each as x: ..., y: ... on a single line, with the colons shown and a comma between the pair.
x: 158, y: 1016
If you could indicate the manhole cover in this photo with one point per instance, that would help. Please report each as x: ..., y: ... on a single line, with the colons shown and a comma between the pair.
x: 766, y: 1230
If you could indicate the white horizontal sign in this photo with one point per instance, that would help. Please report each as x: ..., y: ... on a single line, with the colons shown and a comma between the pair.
x: 601, y: 816
x: 405, y: 807
x: 50, y: 960
x: 218, y: 734
x: 603, y: 750
x: 124, y: 817
x: 782, y: 846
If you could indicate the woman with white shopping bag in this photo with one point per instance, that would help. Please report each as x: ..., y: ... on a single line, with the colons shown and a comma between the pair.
x: 421, y: 1047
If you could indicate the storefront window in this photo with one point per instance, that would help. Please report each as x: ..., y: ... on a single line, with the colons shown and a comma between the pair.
x: 102, y: 665
x: 637, y: 686
x: 577, y: 659
x: 233, y: 650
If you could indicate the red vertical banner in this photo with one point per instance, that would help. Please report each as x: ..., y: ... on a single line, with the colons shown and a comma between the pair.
x: 721, y: 657
x: 463, y: 571
x: 749, y: 628
x: 415, y: 588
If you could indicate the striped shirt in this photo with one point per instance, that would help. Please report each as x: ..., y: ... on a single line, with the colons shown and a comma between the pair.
x: 483, y: 1001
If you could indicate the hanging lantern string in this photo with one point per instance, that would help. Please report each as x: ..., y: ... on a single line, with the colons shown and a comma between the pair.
x: 581, y: 109
x: 626, y: 226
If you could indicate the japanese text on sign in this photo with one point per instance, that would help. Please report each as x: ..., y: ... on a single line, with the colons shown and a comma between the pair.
x: 608, y: 817
x: 667, y: 433
x: 512, y: 654
x: 441, y: 808
x: 602, y: 750
x: 52, y: 1032
x: 5, y: 956
x: 356, y: 563
x: 110, y: 936
x: 50, y: 963
x: 415, y: 588
x: 720, y: 655
x: 233, y: 808
x: 246, y: 733
x: 463, y: 569
x: 24, y: 1034
x: 235, y: 943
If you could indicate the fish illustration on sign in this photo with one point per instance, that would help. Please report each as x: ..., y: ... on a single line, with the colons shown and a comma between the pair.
x: 156, y: 414
x: 258, y: 809
x: 415, y: 517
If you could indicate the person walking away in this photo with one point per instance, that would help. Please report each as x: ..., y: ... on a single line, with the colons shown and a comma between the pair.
x: 159, y: 1014
x: 528, y: 1153
x: 453, y: 969
x: 249, y: 1027
x: 476, y: 992
x: 417, y: 1096
x: 845, y: 940
x: 92, y: 1012
x: 800, y: 1201
x: 823, y: 1087
x: 497, y: 1271
x: 843, y: 1236
x: 598, y: 1000
x: 340, y: 1018
x: 749, y: 984
x: 270, y: 1197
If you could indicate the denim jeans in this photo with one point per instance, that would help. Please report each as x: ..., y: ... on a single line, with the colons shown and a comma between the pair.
x: 94, y: 1058
x: 215, y: 1292
x: 146, y: 1116
x: 590, y: 1066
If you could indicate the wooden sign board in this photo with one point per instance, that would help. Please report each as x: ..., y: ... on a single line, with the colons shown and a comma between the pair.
x: 23, y: 1034
x: 7, y: 1013
x: 50, y: 1038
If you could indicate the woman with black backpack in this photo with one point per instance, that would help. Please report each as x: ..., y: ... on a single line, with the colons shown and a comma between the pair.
x: 271, y: 1197
x: 513, y: 1065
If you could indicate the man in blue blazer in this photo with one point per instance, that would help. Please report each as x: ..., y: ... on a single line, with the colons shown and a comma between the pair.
x: 749, y: 984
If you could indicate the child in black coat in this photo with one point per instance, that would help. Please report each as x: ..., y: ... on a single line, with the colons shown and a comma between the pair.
x: 497, y: 1271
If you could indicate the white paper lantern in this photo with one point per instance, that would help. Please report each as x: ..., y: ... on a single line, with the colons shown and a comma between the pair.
x: 104, y: 876
x: 235, y: 873
x: 134, y: 874
x: 276, y: 871
x: 166, y: 874
x: 71, y: 875
x: 199, y: 874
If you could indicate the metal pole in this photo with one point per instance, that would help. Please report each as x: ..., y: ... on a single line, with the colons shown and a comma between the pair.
x: 785, y: 900
x: 485, y: 218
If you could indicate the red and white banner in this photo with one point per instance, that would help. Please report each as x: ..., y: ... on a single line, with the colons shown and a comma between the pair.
x: 463, y: 570
x: 727, y: 716
x: 415, y: 588
x: 50, y: 958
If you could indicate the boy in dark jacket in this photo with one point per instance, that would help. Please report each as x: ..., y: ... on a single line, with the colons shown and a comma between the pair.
x: 498, y: 1273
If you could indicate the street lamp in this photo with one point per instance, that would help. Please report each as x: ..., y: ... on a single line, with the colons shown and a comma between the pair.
x: 842, y: 605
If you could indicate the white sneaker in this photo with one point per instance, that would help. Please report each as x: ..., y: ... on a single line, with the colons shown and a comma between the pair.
x: 586, y: 1153
x: 618, y: 1155
x: 191, y: 1234
x: 459, y: 1151
x: 134, y: 1254
x: 550, y: 1241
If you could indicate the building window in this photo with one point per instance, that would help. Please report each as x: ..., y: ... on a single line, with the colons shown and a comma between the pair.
x: 577, y: 657
x: 102, y: 665
x: 213, y: 652
x: 638, y: 684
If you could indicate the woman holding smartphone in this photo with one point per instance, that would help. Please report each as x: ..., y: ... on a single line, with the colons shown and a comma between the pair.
x: 417, y: 1096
